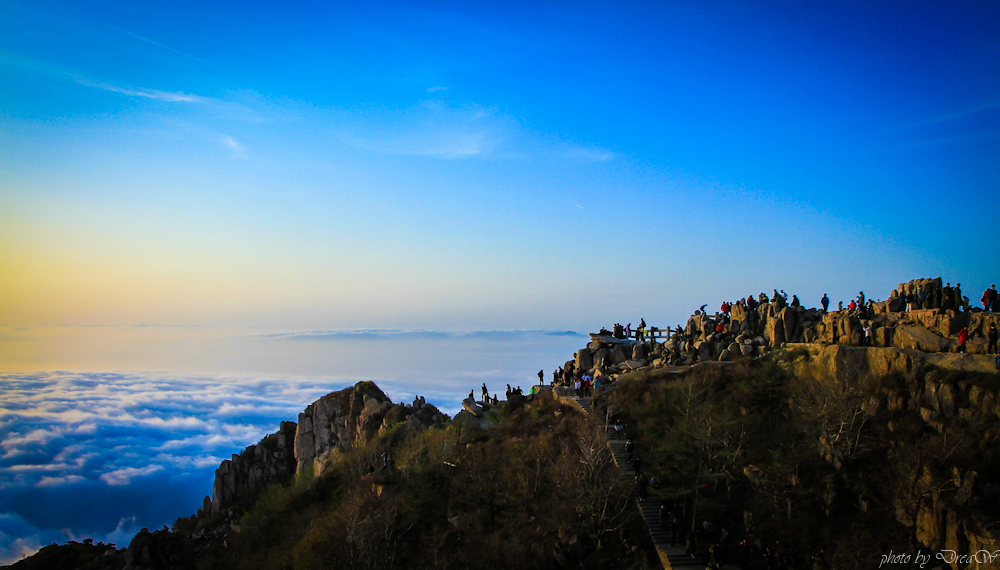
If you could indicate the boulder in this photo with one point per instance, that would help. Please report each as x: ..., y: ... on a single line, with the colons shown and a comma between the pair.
x: 774, y: 332
x: 602, y: 356
x: 916, y: 337
x: 706, y: 351
x: 639, y: 351
x: 789, y: 318
x: 618, y: 355
x: 472, y: 407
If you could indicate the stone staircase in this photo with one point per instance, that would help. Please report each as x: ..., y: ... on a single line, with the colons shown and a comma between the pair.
x: 671, y: 556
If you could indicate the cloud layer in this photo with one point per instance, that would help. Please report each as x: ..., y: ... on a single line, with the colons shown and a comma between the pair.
x: 102, y: 455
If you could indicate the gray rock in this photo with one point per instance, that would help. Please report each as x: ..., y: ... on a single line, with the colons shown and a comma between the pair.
x: 269, y: 461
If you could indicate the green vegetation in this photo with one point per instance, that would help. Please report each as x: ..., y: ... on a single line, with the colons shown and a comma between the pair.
x: 536, y: 485
x: 815, y: 468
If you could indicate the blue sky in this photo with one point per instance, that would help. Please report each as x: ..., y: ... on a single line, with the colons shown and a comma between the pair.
x: 466, y: 167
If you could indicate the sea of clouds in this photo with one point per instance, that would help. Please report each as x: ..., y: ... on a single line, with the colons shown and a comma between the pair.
x: 101, y: 455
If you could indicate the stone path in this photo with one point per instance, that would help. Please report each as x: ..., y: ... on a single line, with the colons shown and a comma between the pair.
x: 671, y: 556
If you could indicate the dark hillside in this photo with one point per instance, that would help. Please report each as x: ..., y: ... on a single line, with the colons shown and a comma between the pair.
x: 818, y: 469
x: 533, y: 487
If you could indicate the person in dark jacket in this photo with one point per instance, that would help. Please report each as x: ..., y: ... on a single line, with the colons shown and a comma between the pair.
x: 825, y: 301
x: 643, y: 484
x: 991, y: 336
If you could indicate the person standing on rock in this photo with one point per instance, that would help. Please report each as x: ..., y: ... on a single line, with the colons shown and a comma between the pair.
x: 963, y: 337
x: 486, y: 393
x: 541, y: 377
x: 825, y: 301
x: 991, y: 336
x: 868, y: 334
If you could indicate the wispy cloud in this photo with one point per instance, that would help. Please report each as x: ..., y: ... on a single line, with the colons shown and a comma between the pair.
x: 230, y: 142
x: 952, y: 115
x: 436, y: 88
x: 956, y: 139
x: 434, y: 129
x: 156, y: 43
x: 124, y: 476
x: 47, y: 481
x: 170, y: 96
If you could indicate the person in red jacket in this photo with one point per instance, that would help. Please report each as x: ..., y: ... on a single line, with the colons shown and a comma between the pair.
x: 963, y: 337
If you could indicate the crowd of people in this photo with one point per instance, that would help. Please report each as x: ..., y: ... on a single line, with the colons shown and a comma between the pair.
x: 623, y: 332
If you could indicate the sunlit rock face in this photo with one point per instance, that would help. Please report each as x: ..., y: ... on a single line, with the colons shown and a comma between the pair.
x: 334, y: 422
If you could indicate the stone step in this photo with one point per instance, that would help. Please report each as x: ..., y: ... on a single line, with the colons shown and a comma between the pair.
x: 650, y: 508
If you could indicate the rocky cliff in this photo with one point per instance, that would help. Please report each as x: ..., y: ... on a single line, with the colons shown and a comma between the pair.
x: 269, y: 461
x: 325, y: 428
x: 925, y: 335
x: 337, y: 421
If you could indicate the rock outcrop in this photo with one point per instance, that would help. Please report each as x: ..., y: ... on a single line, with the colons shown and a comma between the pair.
x: 340, y: 420
x: 268, y: 462
x: 326, y: 428
x: 336, y: 422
